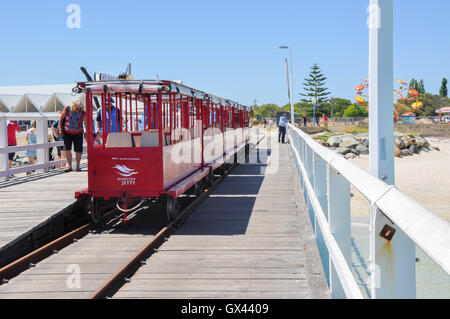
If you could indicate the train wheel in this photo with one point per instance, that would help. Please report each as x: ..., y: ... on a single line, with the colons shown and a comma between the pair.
x: 93, y: 210
x: 209, y: 180
x: 172, y: 208
x: 198, y: 189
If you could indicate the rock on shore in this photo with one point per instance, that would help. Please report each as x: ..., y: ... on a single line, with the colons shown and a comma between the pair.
x: 353, y: 145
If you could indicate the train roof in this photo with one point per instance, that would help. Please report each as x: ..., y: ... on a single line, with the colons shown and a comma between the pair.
x: 151, y: 86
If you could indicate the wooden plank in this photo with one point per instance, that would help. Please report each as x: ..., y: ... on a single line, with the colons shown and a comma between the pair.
x: 27, y: 204
x: 244, y: 241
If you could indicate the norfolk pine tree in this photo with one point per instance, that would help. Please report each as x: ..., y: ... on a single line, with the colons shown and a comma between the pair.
x: 314, y: 86
x: 443, y: 91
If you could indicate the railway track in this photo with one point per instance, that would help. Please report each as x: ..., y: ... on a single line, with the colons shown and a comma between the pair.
x: 89, y: 263
x: 94, y: 263
x: 120, y: 277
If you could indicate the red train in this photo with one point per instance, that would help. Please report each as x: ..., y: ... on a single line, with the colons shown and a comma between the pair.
x: 161, y: 139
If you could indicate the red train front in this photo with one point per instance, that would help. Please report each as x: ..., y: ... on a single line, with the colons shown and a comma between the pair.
x: 156, y: 140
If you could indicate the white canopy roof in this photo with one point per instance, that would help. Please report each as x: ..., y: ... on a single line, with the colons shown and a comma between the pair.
x: 37, y: 89
x: 37, y: 98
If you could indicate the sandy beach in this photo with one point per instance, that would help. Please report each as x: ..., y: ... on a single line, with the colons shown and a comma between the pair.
x: 424, y: 177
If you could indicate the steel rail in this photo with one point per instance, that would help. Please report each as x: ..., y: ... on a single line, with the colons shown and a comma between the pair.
x: 120, y: 277
x: 116, y: 281
x: 18, y: 266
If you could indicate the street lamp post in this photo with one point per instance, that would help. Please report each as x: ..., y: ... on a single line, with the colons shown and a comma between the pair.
x: 291, y: 98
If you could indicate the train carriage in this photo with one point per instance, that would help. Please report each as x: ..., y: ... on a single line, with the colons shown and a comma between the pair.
x: 158, y: 139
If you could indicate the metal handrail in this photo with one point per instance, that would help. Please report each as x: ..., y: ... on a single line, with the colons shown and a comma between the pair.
x: 428, y: 231
x: 42, y: 145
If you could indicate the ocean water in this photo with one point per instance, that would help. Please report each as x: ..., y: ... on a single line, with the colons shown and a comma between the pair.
x: 432, y: 282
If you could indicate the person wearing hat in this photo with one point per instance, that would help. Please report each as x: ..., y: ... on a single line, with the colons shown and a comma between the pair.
x: 115, y: 124
x: 282, y: 128
x: 97, y: 140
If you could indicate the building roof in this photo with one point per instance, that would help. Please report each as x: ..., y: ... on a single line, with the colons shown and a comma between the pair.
x: 37, y: 89
x: 36, y: 98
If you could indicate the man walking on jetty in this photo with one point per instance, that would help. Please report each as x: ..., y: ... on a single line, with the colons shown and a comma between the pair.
x: 282, y: 128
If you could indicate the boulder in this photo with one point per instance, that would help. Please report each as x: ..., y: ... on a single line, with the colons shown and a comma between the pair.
x: 350, y: 156
x: 334, y: 141
x: 399, y: 143
x: 421, y: 141
x: 362, y: 137
x: 414, y: 149
x: 362, y: 149
x: 407, y: 140
x: 322, y: 142
x: 406, y: 152
x: 397, y: 152
x: 366, y: 143
x: 349, y: 142
x: 342, y: 150
x: 435, y: 148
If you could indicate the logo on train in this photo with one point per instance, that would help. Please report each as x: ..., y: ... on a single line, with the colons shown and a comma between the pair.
x: 126, y: 174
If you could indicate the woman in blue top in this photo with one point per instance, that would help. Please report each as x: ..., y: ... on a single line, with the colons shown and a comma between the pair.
x: 31, y: 139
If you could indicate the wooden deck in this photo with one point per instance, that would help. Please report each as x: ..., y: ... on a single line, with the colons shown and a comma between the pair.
x: 251, y: 239
x: 27, y: 202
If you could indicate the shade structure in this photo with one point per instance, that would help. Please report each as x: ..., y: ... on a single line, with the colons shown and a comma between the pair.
x: 3, y: 107
x: 37, y: 98
x: 9, y: 102
x: 58, y: 101
x: 443, y: 110
x: 31, y: 103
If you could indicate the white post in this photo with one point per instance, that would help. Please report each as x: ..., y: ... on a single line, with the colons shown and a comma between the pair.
x: 4, y: 162
x: 392, y: 261
x: 41, y: 138
x: 320, y: 190
x: 339, y: 219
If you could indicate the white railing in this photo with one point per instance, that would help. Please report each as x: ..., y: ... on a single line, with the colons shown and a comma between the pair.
x: 326, y: 178
x: 42, y: 145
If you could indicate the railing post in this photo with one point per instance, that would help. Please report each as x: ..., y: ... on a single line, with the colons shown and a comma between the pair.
x: 309, y: 165
x: 392, y: 262
x: 320, y: 190
x: 41, y: 138
x: 4, y: 163
x: 339, y: 219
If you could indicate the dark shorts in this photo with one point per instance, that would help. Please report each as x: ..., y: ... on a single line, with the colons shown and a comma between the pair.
x: 76, y: 139
x: 11, y: 155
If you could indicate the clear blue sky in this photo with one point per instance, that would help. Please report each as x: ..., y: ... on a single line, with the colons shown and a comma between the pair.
x: 228, y: 48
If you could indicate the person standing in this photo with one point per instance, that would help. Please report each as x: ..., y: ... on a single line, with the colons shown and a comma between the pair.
x: 325, y: 120
x: 12, y: 129
x: 282, y: 128
x: 31, y: 140
x: 71, y: 128
x: 305, y: 121
x: 58, y: 138
x: 115, y: 118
